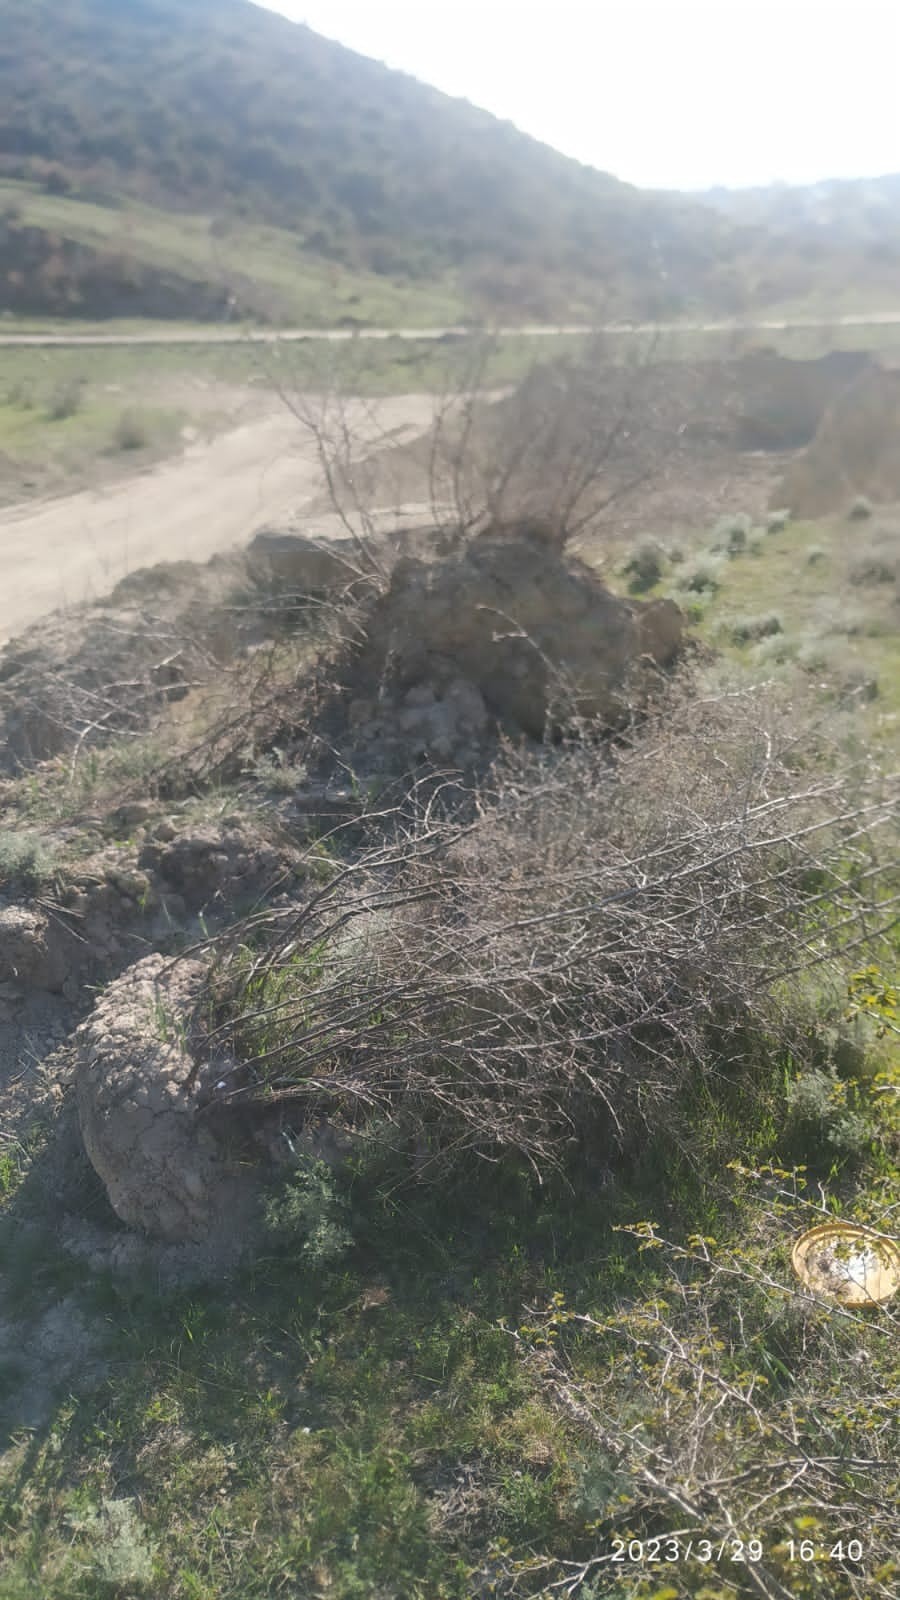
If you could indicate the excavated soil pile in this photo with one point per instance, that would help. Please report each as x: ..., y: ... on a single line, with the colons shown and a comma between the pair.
x: 507, y: 630
x: 856, y: 450
x: 598, y: 434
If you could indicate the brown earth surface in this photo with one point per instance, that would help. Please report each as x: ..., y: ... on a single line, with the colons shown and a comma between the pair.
x: 217, y: 494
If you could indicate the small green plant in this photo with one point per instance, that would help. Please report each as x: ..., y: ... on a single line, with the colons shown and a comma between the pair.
x: 879, y: 564
x: 824, y: 1115
x: 701, y: 577
x: 815, y: 555
x: 774, y: 650
x: 119, y: 1549
x: 309, y: 1216
x: 25, y: 858
x: 275, y: 772
x: 861, y: 509
x: 730, y: 535
x: 167, y: 1025
x: 777, y: 521
x: 869, y: 994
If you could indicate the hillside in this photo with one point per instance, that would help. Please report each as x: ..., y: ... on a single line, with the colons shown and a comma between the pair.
x: 219, y: 108
x: 836, y: 239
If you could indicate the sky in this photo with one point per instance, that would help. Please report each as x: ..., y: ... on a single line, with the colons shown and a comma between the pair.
x: 677, y: 94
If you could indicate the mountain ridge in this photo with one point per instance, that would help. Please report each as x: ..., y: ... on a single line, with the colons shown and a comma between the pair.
x: 229, y: 108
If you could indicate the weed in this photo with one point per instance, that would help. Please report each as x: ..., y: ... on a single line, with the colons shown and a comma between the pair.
x: 131, y: 431
x: 746, y: 629
x: 115, y: 1544
x: 879, y: 564
x: 26, y: 858
x: 730, y: 535
x: 309, y: 1216
x: 703, y: 576
x: 824, y: 1119
x: 168, y: 1026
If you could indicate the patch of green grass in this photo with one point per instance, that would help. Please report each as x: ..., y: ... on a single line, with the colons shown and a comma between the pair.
x: 268, y: 263
x: 58, y: 791
x: 55, y: 423
x: 362, y: 1424
x: 850, y: 646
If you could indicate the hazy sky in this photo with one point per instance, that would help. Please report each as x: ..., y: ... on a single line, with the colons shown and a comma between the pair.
x: 673, y: 93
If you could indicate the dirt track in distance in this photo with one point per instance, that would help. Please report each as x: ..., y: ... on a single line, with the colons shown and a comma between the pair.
x: 63, y: 551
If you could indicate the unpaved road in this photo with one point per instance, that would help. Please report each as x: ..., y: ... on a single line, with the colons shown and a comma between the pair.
x: 220, y: 335
x: 62, y: 551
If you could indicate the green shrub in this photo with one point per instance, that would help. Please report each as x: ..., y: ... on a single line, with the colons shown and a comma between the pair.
x: 730, y: 535
x: 701, y: 577
x: 774, y: 650
x: 309, y: 1216
x: 860, y: 509
x: 25, y: 858
x: 121, y: 1554
x: 823, y: 1118
x: 813, y: 654
x: 878, y: 564
x: 814, y: 555
x: 746, y: 629
x: 644, y: 566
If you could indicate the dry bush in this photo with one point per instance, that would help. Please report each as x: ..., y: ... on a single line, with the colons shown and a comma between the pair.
x: 573, y: 438
x: 550, y: 968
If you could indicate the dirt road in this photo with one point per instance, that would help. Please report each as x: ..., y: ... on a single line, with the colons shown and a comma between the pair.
x: 59, y: 552
x: 224, y: 335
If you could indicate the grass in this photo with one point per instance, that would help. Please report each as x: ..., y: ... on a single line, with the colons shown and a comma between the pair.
x: 787, y: 602
x: 371, y: 1416
x: 149, y: 393
x: 58, y: 418
x: 367, y: 1427
x: 294, y: 286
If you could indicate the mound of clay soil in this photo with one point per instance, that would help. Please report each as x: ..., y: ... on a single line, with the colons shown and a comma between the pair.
x: 856, y: 450
x: 612, y: 426
x: 510, y: 629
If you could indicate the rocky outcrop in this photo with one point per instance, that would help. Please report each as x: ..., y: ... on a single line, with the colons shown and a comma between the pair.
x: 163, y: 1168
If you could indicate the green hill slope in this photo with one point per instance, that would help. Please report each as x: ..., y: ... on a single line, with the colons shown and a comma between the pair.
x: 220, y: 108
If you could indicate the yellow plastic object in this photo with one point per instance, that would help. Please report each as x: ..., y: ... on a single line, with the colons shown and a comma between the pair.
x: 847, y: 1263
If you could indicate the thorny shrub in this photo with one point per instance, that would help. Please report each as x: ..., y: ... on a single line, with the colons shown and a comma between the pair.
x: 549, y: 968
